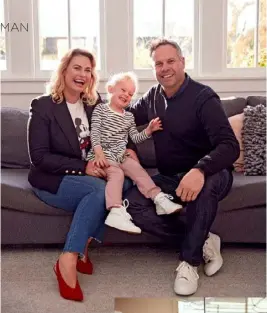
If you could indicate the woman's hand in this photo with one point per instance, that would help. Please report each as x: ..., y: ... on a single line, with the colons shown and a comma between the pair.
x: 93, y: 170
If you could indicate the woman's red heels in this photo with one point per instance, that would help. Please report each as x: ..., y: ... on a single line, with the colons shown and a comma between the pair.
x: 85, y: 267
x: 65, y: 290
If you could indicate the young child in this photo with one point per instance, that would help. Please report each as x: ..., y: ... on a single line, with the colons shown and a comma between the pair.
x: 110, y: 128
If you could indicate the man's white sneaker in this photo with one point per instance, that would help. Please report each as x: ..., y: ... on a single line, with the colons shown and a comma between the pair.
x: 186, y: 281
x: 119, y: 218
x: 212, y: 255
x: 164, y: 205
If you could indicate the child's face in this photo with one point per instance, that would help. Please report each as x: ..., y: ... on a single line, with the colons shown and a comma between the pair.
x: 122, y: 92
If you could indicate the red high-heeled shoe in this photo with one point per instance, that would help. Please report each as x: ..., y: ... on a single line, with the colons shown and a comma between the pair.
x: 85, y: 267
x: 65, y: 290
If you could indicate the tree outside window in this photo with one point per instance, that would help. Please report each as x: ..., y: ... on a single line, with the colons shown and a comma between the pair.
x: 246, y: 34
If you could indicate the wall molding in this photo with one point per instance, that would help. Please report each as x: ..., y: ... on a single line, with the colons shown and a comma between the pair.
x: 220, y: 85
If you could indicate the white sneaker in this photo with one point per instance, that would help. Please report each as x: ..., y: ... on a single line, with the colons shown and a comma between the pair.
x: 164, y: 205
x: 119, y: 218
x: 212, y: 255
x: 186, y: 281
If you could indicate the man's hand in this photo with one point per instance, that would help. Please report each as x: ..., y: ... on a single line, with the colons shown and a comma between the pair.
x: 131, y: 153
x: 93, y: 170
x: 153, y: 126
x: 190, y: 185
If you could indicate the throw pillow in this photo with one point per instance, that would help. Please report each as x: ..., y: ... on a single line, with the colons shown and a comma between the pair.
x: 254, y: 140
x: 236, y: 123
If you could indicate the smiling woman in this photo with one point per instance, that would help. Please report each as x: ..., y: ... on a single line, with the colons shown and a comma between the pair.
x: 58, y: 141
x: 78, y: 67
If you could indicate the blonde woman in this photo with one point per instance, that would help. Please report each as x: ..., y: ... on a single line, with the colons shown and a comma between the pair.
x: 59, y: 140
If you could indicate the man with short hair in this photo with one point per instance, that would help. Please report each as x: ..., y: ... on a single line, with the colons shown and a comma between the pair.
x: 195, y: 152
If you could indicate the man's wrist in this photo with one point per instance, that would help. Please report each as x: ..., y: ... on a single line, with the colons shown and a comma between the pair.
x: 200, y: 170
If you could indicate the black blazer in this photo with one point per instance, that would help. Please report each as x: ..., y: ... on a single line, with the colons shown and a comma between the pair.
x: 53, y: 143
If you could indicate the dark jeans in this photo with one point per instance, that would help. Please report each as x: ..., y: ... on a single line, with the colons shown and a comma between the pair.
x: 188, y: 233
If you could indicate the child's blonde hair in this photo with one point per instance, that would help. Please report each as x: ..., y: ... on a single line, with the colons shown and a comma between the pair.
x: 114, y: 79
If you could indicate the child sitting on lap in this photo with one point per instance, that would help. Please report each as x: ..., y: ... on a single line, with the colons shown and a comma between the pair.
x: 111, y: 126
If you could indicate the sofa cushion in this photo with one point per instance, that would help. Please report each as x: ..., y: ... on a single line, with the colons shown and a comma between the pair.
x: 255, y: 100
x: 247, y: 192
x: 233, y: 106
x: 14, y: 153
x: 236, y: 123
x: 17, y: 194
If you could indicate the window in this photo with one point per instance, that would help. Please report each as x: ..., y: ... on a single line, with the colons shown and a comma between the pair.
x: 246, y: 33
x: 222, y: 305
x: 77, y: 26
x: 2, y: 39
x: 192, y: 305
x: 156, y: 18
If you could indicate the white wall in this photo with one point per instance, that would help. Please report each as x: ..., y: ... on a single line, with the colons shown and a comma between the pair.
x: 20, y: 93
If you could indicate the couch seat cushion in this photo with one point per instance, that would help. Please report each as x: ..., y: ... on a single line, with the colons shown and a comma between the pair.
x: 247, y: 191
x: 17, y: 194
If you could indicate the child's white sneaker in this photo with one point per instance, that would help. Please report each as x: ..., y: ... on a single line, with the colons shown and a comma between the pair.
x: 119, y: 218
x: 164, y: 205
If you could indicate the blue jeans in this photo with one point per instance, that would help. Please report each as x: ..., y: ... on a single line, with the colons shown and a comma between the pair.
x: 85, y: 197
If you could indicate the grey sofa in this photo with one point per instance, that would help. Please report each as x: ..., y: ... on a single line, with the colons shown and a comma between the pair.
x: 26, y: 220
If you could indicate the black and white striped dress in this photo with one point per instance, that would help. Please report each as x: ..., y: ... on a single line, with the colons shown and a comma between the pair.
x: 111, y: 131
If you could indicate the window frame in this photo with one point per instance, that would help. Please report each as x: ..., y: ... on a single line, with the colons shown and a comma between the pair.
x: 6, y: 72
x: 46, y: 74
x: 250, y: 72
x: 117, y: 42
x: 148, y: 73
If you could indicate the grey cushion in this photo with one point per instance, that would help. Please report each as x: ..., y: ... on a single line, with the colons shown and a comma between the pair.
x: 233, y: 106
x: 254, y: 140
x: 255, y: 100
x: 17, y: 194
x: 247, y: 191
x: 14, y: 153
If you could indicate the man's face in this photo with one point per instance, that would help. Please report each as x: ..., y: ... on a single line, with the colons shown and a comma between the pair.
x: 168, y: 67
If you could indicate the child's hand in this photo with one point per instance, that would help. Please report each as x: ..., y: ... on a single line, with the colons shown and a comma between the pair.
x: 100, y: 160
x: 153, y: 126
